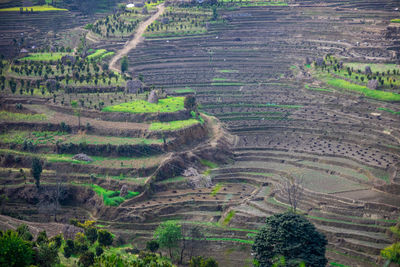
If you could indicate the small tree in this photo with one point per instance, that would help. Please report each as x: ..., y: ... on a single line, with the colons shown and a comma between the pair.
x: 152, y: 245
x: 36, y: 171
x: 292, y: 236
x: 124, y: 64
x: 190, y: 102
x: 91, y: 234
x: 168, y: 234
x: 104, y: 237
x: 47, y: 255
x: 86, y: 259
x: 293, y: 190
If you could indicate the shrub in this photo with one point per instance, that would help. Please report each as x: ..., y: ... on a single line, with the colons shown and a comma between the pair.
x: 91, y: 234
x: 86, y: 259
x: 99, y: 251
x: 23, y: 232
x: 69, y: 248
x: 14, y: 251
x: 152, y: 245
x: 105, y: 238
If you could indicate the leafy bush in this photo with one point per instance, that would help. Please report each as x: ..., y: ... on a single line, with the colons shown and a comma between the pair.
x: 105, y: 238
x: 14, y: 251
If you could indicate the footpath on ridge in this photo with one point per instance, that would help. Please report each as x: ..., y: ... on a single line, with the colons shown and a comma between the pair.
x: 138, y: 37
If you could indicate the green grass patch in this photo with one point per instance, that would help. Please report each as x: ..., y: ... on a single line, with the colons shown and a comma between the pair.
x: 390, y: 111
x: 34, y: 8
x: 337, y: 264
x: 216, y: 79
x: 228, y: 217
x: 227, y: 71
x: 308, y: 66
x: 172, y: 125
x: 169, y: 104
x: 108, y: 54
x: 44, y: 56
x: 112, y: 198
x: 216, y: 189
x: 97, y: 54
x: 186, y: 90
x: 375, y: 94
x: 10, y: 116
x: 395, y: 20
x: 208, y: 163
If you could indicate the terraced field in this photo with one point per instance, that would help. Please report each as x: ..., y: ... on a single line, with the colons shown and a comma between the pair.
x: 249, y: 65
x: 249, y: 71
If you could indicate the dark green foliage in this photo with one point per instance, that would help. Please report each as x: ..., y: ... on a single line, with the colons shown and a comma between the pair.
x: 36, y: 170
x: 292, y: 236
x: 99, y: 251
x: 190, y: 102
x: 57, y: 240
x: 152, y: 245
x: 86, y: 259
x: 105, y: 238
x: 14, y: 251
x: 81, y: 243
x: 91, y: 234
x: 124, y: 64
x: 202, y: 262
x: 47, y: 255
x: 69, y: 248
x: 42, y: 237
x: 23, y: 232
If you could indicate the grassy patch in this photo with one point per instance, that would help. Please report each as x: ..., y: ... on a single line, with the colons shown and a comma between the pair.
x: 374, y: 66
x: 395, y: 20
x: 375, y: 94
x: 34, y: 8
x: 337, y: 264
x: 112, y: 198
x: 97, y: 54
x: 216, y: 79
x: 169, y: 104
x: 172, y: 125
x: 44, y: 56
x: 10, y: 116
x: 390, y: 111
x: 228, y: 217
x: 216, y: 189
x: 209, y: 164
x: 227, y: 71
x: 186, y: 90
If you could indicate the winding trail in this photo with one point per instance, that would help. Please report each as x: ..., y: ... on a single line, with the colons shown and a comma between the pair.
x: 136, y: 39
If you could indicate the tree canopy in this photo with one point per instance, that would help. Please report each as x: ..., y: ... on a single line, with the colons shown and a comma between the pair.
x: 168, y: 234
x: 292, y: 236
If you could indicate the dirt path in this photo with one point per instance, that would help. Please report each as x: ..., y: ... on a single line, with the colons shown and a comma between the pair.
x: 136, y: 39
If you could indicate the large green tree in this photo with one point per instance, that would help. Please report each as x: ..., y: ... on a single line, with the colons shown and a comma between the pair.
x: 168, y: 234
x: 292, y: 236
x: 14, y: 251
